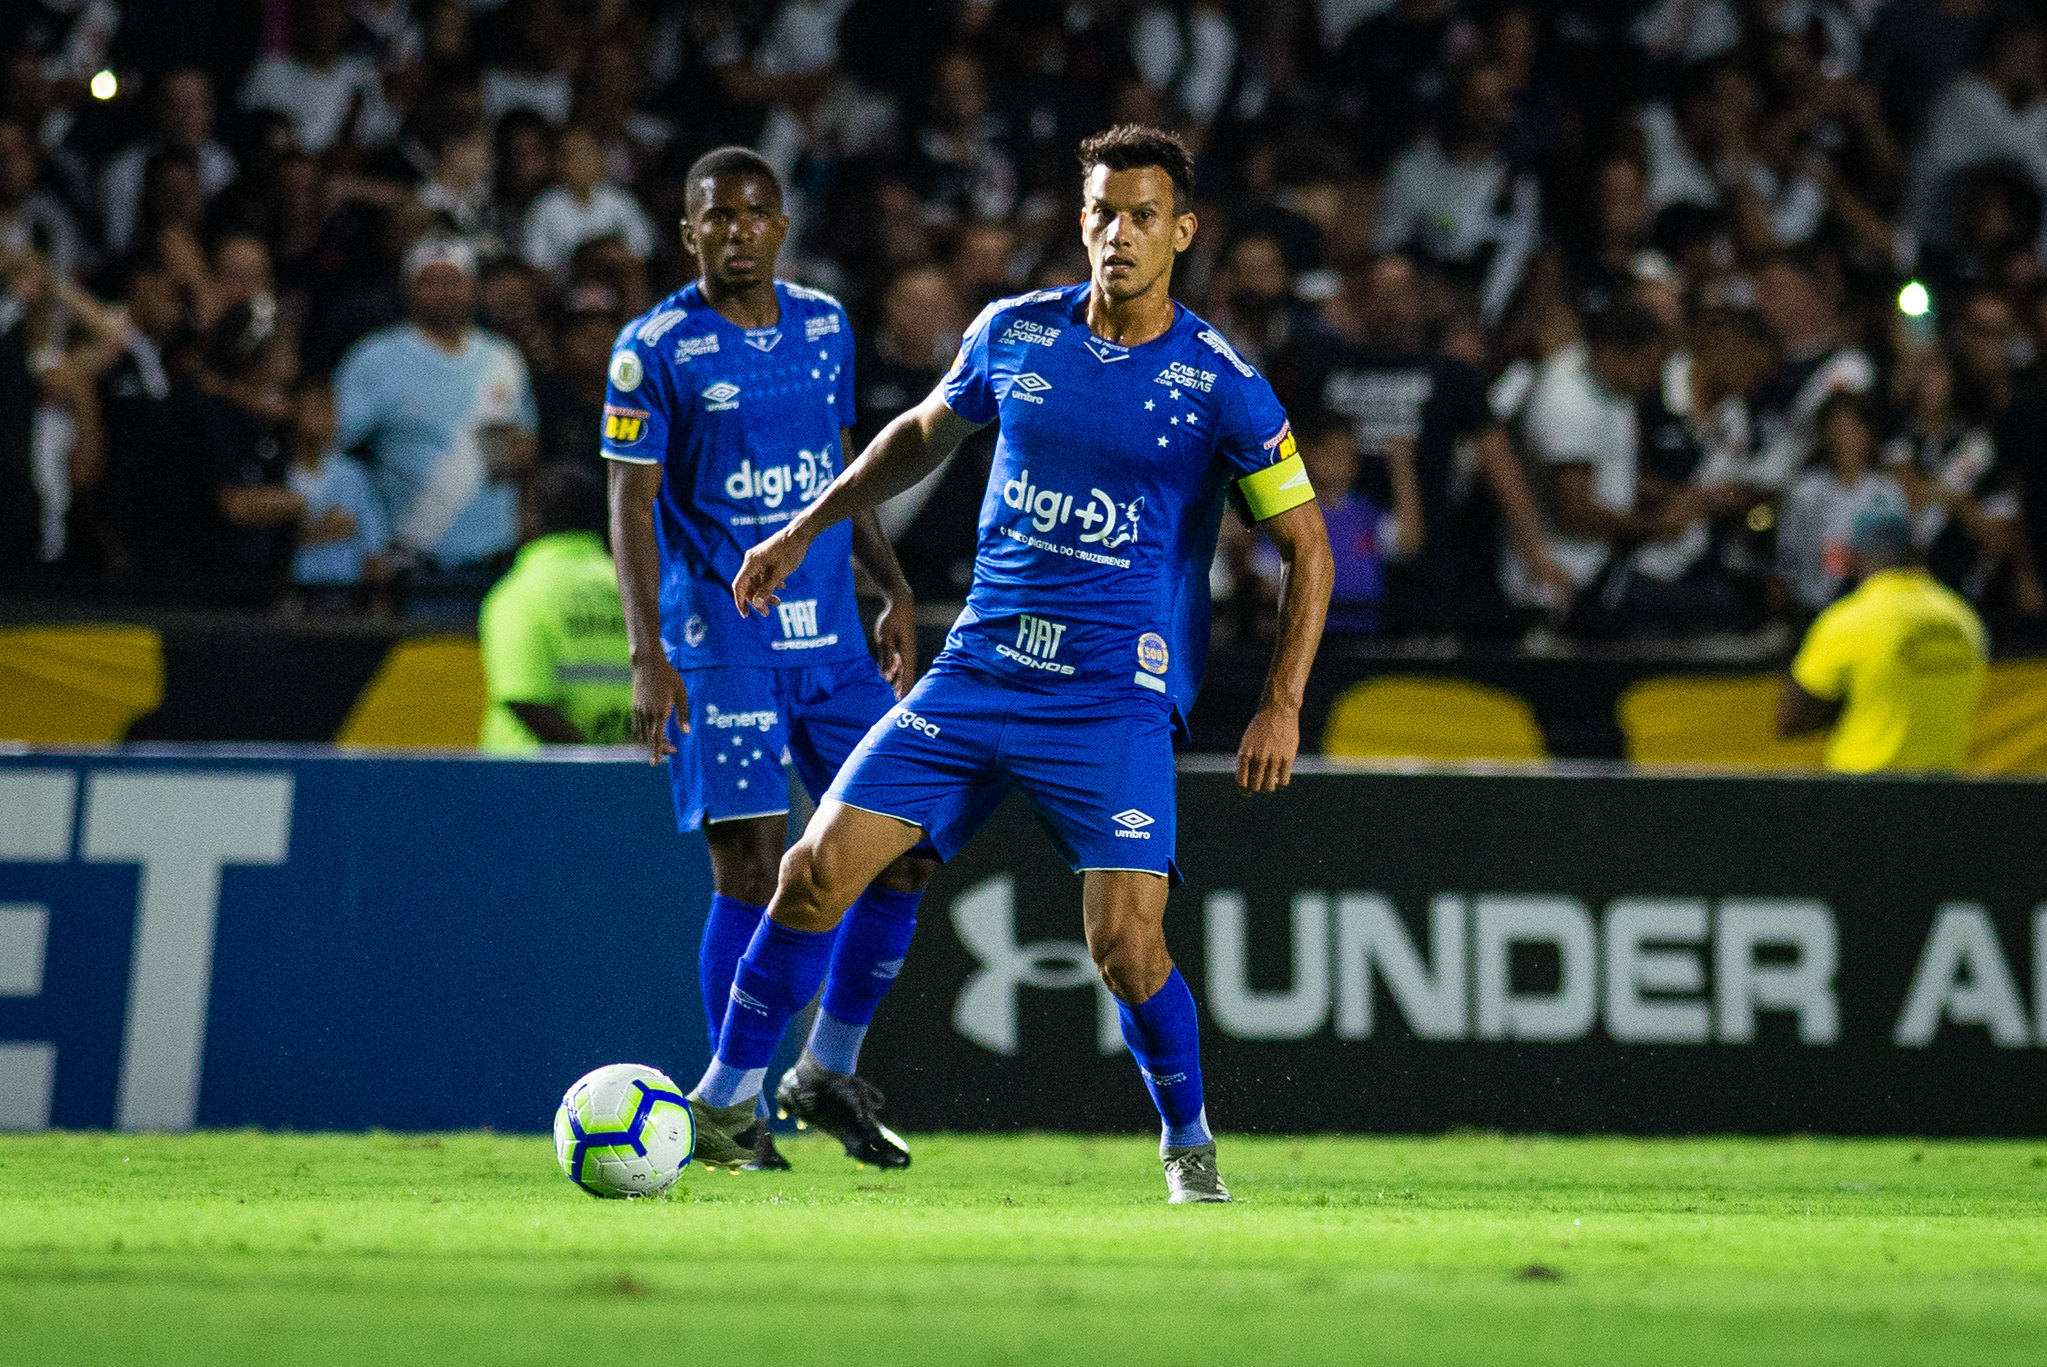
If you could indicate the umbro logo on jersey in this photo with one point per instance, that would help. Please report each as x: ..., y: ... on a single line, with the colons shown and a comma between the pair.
x: 721, y: 396
x: 1179, y: 373
x: 688, y: 347
x: 1028, y: 386
x: 1130, y: 819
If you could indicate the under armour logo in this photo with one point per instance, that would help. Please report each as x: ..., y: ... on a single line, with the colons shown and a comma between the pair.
x: 986, y: 1013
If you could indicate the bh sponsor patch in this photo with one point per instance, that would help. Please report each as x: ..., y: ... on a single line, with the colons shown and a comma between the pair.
x: 624, y: 426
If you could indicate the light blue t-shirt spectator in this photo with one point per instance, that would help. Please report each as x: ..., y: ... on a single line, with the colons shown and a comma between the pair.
x: 420, y: 411
x: 342, y: 483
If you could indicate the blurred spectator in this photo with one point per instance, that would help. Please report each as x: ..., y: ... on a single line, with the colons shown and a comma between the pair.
x: 524, y: 166
x: 446, y: 412
x: 571, y: 399
x: 582, y: 208
x: 981, y: 264
x: 1188, y: 55
x: 343, y: 539
x: 1799, y: 299
x: 244, y: 414
x: 962, y: 172
x: 1823, y: 507
x: 1413, y: 407
x: 1454, y: 200
x: 1252, y: 298
x: 331, y: 94
x: 1993, y: 113
x: 31, y: 218
x: 531, y: 69
x: 1965, y: 510
x: 899, y: 360
x: 184, y: 120
x: 145, y: 525
x: 1895, y: 668
x: 1361, y: 532
x: 555, y: 663
x: 1581, y: 425
x: 456, y: 196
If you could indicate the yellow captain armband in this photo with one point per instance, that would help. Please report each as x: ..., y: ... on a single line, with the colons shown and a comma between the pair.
x: 1278, y: 487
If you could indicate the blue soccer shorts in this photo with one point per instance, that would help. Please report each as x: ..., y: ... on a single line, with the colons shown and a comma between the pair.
x: 745, y: 724
x: 1098, y: 771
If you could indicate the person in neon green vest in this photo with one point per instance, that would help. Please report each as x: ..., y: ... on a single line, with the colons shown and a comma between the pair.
x: 555, y: 660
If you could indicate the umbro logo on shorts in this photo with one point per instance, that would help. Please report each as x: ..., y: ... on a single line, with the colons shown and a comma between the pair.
x: 1133, y: 823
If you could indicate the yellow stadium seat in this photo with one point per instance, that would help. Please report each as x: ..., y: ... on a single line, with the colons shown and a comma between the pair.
x: 427, y: 694
x: 1399, y: 716
x: 1726, y: 722
x: 2011, y: 721
x: 76, y: 685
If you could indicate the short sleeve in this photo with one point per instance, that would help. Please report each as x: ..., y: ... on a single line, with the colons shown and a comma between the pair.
x: 969, y: 388
x: 1824, y: 661
x: 635, y: 406
x: 1257, y: 444
x: 517, y: 664
x: 1563, y: 422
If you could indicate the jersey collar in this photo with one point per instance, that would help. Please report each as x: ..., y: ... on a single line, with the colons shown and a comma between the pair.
x: 762, y: 340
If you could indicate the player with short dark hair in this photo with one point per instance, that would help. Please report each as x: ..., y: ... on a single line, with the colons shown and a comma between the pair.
x: 1125, y: 422
x: 725, y: 415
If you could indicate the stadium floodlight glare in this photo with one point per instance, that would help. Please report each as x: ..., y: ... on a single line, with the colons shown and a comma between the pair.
x: 105, y: 85
x: 1913, y: 300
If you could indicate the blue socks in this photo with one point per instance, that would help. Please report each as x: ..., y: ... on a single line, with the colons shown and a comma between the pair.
x: 1165, y: 1038
x: 727, y: 932
x: 776, y: 978
x: 873, y: 940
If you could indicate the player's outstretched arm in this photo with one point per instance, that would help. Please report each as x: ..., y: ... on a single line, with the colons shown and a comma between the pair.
x: 658, y: 690
x: 1265, y: 760
x: 902, y: 453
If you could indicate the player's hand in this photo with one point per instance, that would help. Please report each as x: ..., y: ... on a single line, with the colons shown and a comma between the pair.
x: 658, y: 694
x: 766, y: 568
x: 895, y: 641
x: 1265, y: 760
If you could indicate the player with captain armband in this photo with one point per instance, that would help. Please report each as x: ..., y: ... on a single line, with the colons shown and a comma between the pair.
x: 724, y: 418
x: 1125, y: 423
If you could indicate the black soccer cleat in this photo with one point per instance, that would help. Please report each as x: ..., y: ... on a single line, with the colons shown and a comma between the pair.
x: 766, y: 1157
x: 845, y: 1106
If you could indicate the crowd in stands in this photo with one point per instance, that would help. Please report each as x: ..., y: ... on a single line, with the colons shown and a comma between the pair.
x: 1600, y: 317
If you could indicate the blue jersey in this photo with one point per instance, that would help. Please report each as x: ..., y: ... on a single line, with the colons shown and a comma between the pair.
x: 746, y: 423
x: 1100, y: 516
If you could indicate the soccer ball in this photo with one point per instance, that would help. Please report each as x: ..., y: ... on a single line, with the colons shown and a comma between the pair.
x: 624, y: 1130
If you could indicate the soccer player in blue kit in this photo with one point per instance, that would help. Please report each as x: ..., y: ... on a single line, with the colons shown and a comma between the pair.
x: 724, y: 417
x: 1125, y: 421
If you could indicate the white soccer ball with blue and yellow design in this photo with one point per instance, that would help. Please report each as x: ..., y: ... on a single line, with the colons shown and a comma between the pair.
x: 624, y: 1130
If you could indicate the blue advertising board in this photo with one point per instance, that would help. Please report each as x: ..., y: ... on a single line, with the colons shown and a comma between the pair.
x: 307, y: 940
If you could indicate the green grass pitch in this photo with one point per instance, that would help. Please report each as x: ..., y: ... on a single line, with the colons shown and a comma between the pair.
x: 1041, y: 1249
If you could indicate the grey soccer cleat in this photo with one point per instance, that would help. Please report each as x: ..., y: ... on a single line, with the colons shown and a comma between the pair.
x: 846, y: 1107
x: 1191, y: 1175
x: 718, y: 1131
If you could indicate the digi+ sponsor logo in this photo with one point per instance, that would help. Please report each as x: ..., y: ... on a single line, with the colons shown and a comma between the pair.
x: 1103, y: 520
x: 1037, y: 645
x: 770, y: 484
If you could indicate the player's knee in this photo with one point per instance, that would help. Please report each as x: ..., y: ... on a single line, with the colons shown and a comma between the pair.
x: 1131, y: 966
x: 809, y: 893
